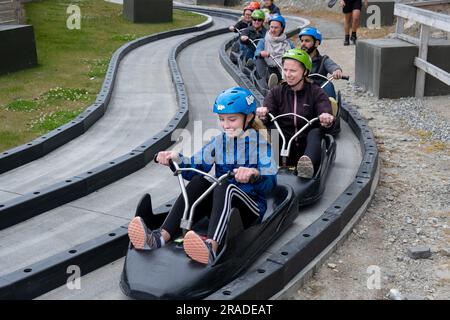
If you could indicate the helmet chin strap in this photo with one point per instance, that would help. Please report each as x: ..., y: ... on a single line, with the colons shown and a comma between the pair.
x: 250, y: 122
x: 301, y: 79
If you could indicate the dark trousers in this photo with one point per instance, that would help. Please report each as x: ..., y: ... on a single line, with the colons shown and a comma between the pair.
x: 309, y: 146
x: 329, y: 90
x: 351, y: 5
x: 263, y: 71
x: 234, y: 52
x: 247, y: 52
x: 329, y: 87
x: 217, y: 206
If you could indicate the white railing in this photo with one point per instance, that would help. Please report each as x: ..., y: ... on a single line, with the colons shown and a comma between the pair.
x: 427, y: 19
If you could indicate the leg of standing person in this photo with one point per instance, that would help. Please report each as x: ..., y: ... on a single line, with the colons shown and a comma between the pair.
x: 356, y: 14
x: 347, y: 25
x: 355, y: 24
x: 347, y: 6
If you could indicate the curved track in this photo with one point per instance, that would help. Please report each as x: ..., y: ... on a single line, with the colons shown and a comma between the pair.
x: 202, y: 87
x: 55, y: 231
x: 142, y: 102
x: 202, y: 84
x: 111, y: 206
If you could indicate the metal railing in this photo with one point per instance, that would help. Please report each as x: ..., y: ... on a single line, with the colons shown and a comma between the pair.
x: 427, y: 20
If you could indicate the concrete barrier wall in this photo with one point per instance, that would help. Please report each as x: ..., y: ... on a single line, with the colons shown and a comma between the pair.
x: 386, y: 68
x: 18, y: 48
x: 378, y: 13
x: 149, y: 11
x: 206, y: 2
x: 221, y: 2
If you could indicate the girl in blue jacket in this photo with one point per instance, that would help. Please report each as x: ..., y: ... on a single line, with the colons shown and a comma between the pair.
x: 241, y: 148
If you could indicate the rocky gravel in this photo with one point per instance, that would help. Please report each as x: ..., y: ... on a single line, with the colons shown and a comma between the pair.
x: 400, y: 248
x: 415, y: 114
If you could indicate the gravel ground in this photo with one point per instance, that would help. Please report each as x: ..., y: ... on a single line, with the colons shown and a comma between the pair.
x: 411, y: 206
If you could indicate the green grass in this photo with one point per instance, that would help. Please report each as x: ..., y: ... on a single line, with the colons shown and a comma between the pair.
x: 50, y: 121
x: 22, y: 105
x: 9, y: 137
x: 124, y: 37
x: 66, y: 94
x: 71, y: 65
x: 97, y: 67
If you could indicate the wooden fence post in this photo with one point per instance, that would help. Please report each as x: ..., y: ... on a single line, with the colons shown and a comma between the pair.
x: 423, y: 54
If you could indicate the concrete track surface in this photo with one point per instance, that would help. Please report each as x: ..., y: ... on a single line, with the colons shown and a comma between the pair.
x: 147, y: 69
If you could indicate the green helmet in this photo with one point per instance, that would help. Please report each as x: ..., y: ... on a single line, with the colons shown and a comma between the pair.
x: 299, y: 55
x: 258, y: 14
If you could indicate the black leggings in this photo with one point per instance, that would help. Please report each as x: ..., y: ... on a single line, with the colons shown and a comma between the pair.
x: 309, y: 146
x: 217, y: 206
x: 264, y: 71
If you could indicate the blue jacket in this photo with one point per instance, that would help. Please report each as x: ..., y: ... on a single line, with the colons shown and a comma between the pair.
x: 228, y: 153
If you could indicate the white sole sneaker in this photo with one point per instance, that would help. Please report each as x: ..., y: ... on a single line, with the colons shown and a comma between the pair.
x: 136, y: 233
x: 196, y: 248
x: 273, y: 81
x: 141, y: 237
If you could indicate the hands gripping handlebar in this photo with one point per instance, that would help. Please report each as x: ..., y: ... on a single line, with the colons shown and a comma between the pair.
x: 188, y: 215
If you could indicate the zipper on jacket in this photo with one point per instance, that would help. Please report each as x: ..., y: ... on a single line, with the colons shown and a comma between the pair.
x: 295, y: 111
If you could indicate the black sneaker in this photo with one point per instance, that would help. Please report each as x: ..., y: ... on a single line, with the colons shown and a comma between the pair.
x: 353, y: 39
x: 346, y: 42
x: 198, y: 249
x: 141, y: 237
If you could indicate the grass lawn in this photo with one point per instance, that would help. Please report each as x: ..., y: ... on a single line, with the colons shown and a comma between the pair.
x: 71, y: 65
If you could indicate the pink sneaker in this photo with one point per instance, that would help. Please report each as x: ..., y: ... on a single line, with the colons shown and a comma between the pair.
x: 141, y: 237
x: 198, y: 249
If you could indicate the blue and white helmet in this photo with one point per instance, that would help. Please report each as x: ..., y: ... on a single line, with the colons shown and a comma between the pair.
x: 312, y: 32
x: 279, y: 18
x: 235, y: 100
